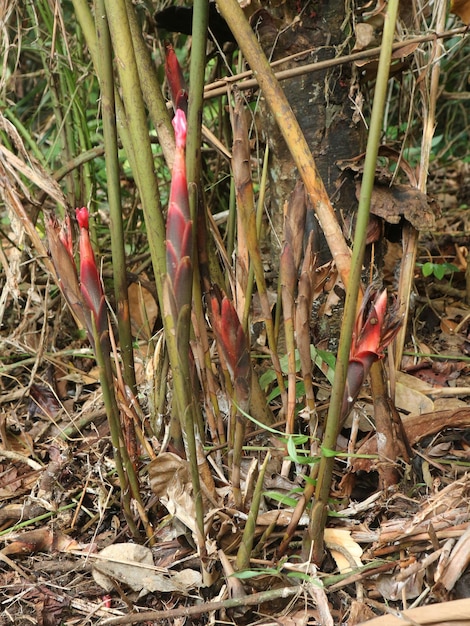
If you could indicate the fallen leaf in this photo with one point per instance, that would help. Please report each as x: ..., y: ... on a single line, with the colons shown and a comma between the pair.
x: 392, y: 589
x: 132, y: 565
x: 350, y: 551
x: 365, y: 36
x: 143, y: 310
x: 170, y: 480
x: 392, y: 202
x: 40, y: 540
x: 462, y: 9
x: 410, y: 394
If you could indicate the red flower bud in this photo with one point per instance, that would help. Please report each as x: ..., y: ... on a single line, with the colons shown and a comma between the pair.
x: 376, y: 326
x: 174, y: 76
x: 230, y: 335
x: 61, y: 252
x: 90, y: 281
x: 179, y: 227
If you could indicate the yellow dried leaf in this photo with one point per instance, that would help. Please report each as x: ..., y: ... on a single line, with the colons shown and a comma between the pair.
x: 345, y: 551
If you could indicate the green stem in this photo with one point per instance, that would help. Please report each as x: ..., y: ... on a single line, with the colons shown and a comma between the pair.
x: 143, y: 167
x: 151, y: 90
x: 138, y: 148
x: 102, y: 352
x: 333, y: 424
x: 259, y: 220
x: 196, y: 91
x: 85, y: 19
x: 114, y: 194
x: 193, y: 172
x: 246, y: 546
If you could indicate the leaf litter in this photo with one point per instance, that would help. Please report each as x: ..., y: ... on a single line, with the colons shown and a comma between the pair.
x: 62, y: 525
x: 67, y: 556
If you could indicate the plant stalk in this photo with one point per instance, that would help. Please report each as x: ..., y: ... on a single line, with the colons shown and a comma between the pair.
x: 333, y: 423
x: 106, y: 78
x: 290, y: 129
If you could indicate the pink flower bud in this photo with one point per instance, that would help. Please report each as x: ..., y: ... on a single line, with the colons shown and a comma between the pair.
x: 174, y: 76
x: 90, y: 281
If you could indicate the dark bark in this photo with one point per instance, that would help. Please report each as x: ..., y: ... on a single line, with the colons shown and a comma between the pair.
x: 322, y: 102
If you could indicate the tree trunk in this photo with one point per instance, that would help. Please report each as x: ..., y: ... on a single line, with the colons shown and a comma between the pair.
x: 323, y: 103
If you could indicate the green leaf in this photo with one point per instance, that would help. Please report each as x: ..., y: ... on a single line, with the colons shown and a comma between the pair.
x: 328, y: 453
x: 308, y: 479
x: 296, y: 455
x: 299, y: 440
x: 427, y: 269
x: 439, y: 271
x: 275, y: 393
x: 320, y: 357
x: 281, y: 498
x: 292, y: 450
x: 252, y: 573
x: 306, y: 577
x: 328, y: 357
x: 258, y: 423
x: 266, y: 379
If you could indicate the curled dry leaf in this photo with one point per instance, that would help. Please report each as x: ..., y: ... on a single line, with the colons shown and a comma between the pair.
x: 170, y: 480
x: 411, y: 394
x: 40, y: 540
x: 392, y: 589
x: 143, y: 310
x: 295, y: 210
x: 457, y: 563
x: 132, y: 565
x: 456, y: 613
x: 345, y: 551
x: 365, y: 36
x: 320, y: 599
x: 397, y: 201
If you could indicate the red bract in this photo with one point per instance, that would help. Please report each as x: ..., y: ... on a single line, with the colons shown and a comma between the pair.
x: 369, y: 327
x: 90, y: 281
x: 61, y: 251
x: 179, y: 227
x: 232, y: 342
x: 375, y: 328
x: 85, y: 297
x: 174, y: 76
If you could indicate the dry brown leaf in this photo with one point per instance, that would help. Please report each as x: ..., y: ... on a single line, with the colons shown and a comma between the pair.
x: 416, y: 427
x: 280, y: 517
x: 170, y: 480
x: 410, y: 394
x: 36, y: 175
x: 143, y: 310
x: 299, y: 618
x: 40, y: 540
x: 397, y: 201
x: 462, y: 9
x: 234, y: 585
x: 295, y: 209
x: 392, y: 589
x: 457, y: 562
x: 320, y: 598
x: 359, y: 612
x: 365, y: 36
x: 132, y: 565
